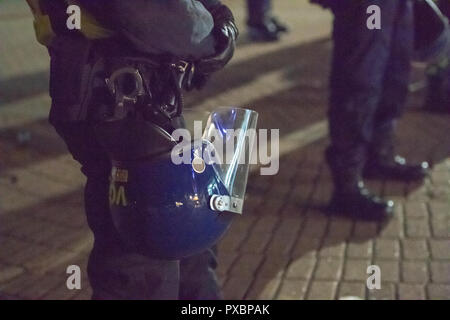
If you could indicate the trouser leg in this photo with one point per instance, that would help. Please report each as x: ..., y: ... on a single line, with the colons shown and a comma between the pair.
x: 198, y: 279
x: 396, y: 82
x: 382, y: 161
x: 360, y: 61
x: 114, y: 273
x: 438, y: 86
x: 127, y: 276
x: 258, y: 11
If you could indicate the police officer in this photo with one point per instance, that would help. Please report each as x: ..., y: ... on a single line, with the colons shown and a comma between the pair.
x: 202, y: 31
x: 438, y: 74
x: 262, y: 25
x: 438, y: 90
x: 369, y: 84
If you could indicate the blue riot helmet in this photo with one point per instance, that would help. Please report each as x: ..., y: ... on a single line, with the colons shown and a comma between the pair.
x: 432, y: 32
x: 165, y: 209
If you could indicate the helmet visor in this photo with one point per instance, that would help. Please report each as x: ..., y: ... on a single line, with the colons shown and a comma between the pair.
x: 232, y: 134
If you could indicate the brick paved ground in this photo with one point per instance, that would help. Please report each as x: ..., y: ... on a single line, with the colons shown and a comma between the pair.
x: 283, y: 247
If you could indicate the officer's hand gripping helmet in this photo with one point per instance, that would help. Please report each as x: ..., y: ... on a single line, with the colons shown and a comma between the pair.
x: 432, y: 32
x: 169, y: 210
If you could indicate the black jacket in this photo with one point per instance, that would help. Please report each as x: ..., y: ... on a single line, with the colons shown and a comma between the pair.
x: 182, y: 28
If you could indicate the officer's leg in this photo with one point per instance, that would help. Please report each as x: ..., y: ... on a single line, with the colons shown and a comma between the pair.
x: 128, y: 276
x: 437, y: 98
x: 113, y: 272
x: 382, y: 162
x: 438, y: 77
x: 258, y: 11
x: 360, y: 59
x: 198, y: 279
x: 262, y: 25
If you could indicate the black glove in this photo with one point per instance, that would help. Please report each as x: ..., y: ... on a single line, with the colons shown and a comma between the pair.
x: 226, y: 33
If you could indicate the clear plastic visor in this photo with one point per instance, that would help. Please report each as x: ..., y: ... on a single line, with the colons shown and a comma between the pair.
x: 232, y: 134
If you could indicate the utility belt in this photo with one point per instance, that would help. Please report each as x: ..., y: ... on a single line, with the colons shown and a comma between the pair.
x: 97, y: 80
x: 100, y: 79
x: 132, y: 85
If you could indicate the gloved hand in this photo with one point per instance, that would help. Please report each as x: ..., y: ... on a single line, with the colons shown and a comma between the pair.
x: 226, y: 33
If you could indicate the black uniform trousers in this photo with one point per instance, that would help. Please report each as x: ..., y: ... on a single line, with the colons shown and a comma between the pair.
x: 114, y: 272
x: 369, y: 79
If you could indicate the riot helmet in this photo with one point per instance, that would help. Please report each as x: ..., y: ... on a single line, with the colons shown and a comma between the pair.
x: 168, y: 209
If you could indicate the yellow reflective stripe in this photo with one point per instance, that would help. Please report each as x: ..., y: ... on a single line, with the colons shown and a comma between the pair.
x: 43, y: 29
x: 90, y: 27
x: 42, y: 26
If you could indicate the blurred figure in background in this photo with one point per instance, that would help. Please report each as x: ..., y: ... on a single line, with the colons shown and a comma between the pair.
x: 438, y: 74
x: 438, y: 90
x: 262, y: 25
x: 368, y: 88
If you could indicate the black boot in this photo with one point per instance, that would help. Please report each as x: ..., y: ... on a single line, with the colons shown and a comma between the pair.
x: 383, y: 163
x: 267, y: 30
x: 396, y: 168
x: 281, y: 27
x: 351, y: 198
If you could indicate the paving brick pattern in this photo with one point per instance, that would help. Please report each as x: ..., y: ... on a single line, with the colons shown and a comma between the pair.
x: 284, y: 246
